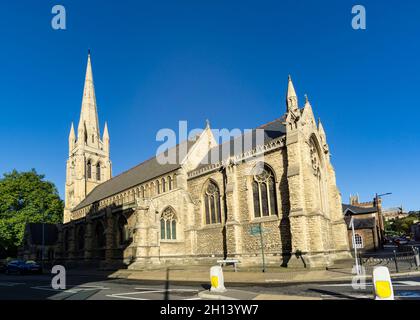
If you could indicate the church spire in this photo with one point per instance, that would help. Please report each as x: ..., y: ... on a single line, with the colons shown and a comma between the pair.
x: 88, y: 124
x: 291, y: 100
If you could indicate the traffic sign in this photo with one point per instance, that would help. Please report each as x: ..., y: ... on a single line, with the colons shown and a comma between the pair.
x: 256, y: 230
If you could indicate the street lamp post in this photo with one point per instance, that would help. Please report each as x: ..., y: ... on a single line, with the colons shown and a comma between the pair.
x: 354, y: 246
x: 382, y: 228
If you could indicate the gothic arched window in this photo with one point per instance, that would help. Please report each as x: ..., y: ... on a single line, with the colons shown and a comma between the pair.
x: 123, y: 232
x: 66, y: 240
x: 169, y: 183
x: 100, y: 235
x: 80, y: 238
x: 264, y: 193
x: 98, y: 171
x: 163, y: 185
x: 157, y: 187
x: 89, y: 169
x: 168, y: 224
x: 317, y: 171
x: 212, y: 204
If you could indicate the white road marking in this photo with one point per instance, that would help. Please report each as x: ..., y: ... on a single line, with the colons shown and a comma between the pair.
x: 10, y: 284
x: 124, y: 297
x: 73, y: 290
x: 49, y: 288
x: 345, y: 297
x: 129, y: 295
x: 395, y: 284
x: 164, y: 290
x: 408, y: 283
x: 343, y: 285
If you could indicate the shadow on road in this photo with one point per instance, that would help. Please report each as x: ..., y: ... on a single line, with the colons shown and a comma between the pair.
x: 334, y: 294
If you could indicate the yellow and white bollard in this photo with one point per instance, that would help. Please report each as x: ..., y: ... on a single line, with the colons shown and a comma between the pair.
x: 216, y: 279
x: 382, y: 284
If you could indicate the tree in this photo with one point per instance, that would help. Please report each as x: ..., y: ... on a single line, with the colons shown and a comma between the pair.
x: 401, y: 226
x: 25, y: 197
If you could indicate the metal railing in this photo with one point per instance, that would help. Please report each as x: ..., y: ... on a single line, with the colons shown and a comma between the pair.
x: 396, y: 261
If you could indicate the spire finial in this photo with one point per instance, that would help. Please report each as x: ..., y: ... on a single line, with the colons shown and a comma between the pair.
x: 291, y: 97
x: 89, y: 52
x: 207, y: 123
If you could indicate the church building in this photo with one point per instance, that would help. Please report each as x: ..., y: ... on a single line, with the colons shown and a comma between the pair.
x: 206, y: 205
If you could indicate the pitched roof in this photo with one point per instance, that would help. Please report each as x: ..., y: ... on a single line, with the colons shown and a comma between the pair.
x: 50, y: 233
x: 358, y: 210
x: 245, y: 142
x: 368, y: 223
x: 143, y: 172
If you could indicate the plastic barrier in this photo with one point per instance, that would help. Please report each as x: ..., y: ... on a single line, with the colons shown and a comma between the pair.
x: 216, y: 279
x: 382, y: 284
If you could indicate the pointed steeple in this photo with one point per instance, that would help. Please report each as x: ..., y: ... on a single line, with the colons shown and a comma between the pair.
x: 291, y: 100
x: 88, y: 124
x: 321, y: 130
x: 72, y: 135
x: 72, y: 138
x: 105, y: 138
x: 106, y: 133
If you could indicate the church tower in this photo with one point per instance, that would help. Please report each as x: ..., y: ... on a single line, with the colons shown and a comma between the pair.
x: 88, y: 164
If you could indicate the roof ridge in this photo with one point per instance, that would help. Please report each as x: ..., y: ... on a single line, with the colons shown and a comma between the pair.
x: 268, y: 123
x: 145, y: 161
x: 124, y: 173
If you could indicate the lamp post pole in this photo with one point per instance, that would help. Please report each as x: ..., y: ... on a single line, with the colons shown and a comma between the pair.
x: 380, y: 217
x: 354, y: 245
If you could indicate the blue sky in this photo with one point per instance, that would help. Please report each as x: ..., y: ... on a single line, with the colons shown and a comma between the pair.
x: 159, y: 62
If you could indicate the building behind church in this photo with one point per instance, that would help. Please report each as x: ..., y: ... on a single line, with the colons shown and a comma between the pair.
x: 193, y: 211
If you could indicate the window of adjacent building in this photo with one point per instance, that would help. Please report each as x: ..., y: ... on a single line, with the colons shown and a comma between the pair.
x: 168, y: 224
x: 358, y: 241
x: 264, y: 193
x: 212, y: 204
x: 98, y: 172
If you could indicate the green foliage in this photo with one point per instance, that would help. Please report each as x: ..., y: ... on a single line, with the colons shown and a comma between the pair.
x: 25, y: 197
x: 400, y: 226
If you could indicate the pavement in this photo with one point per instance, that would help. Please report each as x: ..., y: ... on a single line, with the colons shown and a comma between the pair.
x: 200, y: 274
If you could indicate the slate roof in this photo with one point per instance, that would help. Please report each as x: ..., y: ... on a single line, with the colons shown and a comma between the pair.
x: 35, y: 233
x: 143, y: 172
x: 151, y: 168
x: 358, y: 210
x: 240, y: 144
x: 368, y: 223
